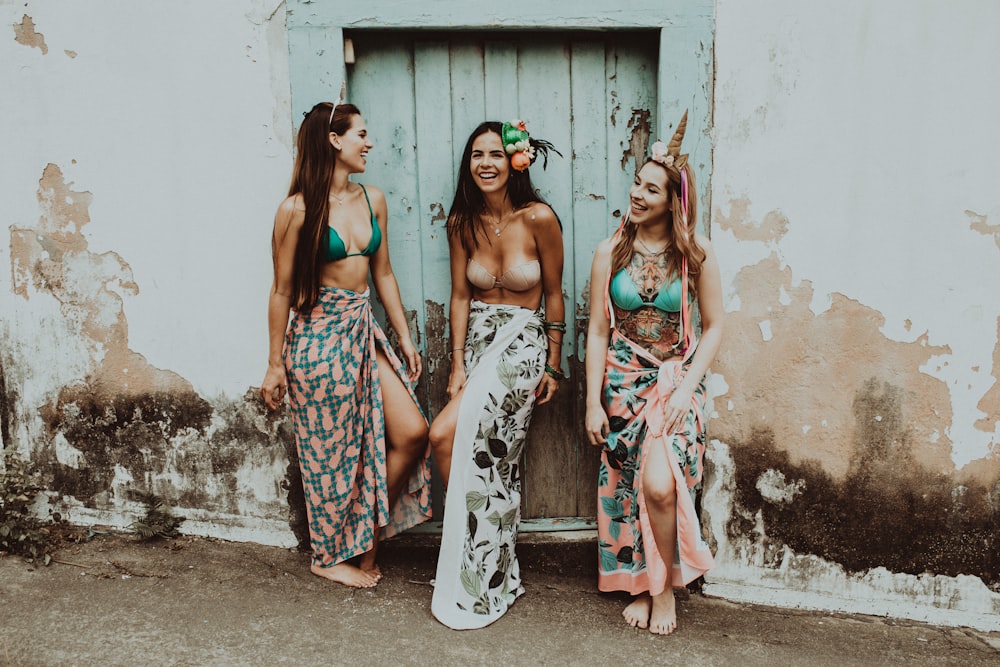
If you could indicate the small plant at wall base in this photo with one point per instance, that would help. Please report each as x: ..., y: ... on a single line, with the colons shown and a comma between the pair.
x: 21, y: 532
x: 158, y: 521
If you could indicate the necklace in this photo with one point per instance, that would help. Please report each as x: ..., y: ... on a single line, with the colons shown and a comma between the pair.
x: 650, y: 252
x: 340, y: 200
x: 498, y: 226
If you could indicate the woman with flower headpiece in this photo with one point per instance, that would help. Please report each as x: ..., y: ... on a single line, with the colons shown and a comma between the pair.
x: 361, y: 436
x: 506, y: 259
x: 646, y: 388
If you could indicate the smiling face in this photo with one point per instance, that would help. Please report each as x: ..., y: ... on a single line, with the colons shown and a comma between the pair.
x: 353, y: 145
x: 649, y: 195
x: 488, y: 163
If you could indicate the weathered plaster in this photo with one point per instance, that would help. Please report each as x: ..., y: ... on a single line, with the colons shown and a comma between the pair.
x: 24, y: 33
x: 126, y: 426
x: 854, y: 451
x: 980, y: 223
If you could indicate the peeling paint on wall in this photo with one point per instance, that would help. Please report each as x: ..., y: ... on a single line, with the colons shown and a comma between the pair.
x: 980, y: 224
x: 990, y: 403
x: 839, y: 437
x: 24, y: 33
x: 771, y: 228
x: 128, y: 426
x: 638, y: 125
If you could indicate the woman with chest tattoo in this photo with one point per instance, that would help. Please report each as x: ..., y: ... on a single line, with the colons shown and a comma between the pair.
x: 646, y: 388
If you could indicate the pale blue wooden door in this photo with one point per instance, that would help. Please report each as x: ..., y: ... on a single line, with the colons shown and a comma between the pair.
x: 594, y: 96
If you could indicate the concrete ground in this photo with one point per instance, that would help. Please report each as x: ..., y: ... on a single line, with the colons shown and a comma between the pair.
x: 197, y: 601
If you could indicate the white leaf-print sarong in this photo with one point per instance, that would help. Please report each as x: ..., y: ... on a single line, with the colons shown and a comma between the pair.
x: 477, y: 574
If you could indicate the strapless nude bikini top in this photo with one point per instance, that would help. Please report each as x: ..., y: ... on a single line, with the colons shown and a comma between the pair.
x: 519, y: 278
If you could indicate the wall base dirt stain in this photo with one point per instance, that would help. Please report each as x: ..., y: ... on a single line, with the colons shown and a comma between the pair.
x: 904, y: 518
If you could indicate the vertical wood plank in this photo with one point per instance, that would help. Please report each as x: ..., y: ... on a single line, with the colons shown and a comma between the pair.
x: 435, y: 180
x: 590, y: 216
x: 391, y: 162
x: 544, y: 81
x: 468, y: 102
x: 500, y: 79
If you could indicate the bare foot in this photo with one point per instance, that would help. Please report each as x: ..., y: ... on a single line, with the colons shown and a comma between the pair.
x: 637, y: 613
x: 347, y: 574
x: 367, y: 564
x: 663, y: 618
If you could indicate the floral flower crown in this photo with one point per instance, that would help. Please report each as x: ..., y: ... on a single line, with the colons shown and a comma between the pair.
x: 522, y: 148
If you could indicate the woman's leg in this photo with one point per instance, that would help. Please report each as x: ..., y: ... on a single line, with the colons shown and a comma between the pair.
x: 660, y: 492
x: 405, y: 429
x: 442, y: 436
x: 405, y: 442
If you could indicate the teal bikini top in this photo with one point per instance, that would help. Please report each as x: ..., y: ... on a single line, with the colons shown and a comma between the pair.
x: 336, y: 250
x: 625, y: 294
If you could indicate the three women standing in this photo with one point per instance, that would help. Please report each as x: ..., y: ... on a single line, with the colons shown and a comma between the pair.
x: 361, y: 436
x: 506, y: 259
x: 646, y: 388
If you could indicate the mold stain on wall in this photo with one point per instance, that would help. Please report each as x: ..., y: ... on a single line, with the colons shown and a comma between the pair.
x: 129, y: 426
x: 839, y: 441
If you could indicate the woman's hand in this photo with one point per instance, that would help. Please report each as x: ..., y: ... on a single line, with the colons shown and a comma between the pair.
x: 456, y: 382
x: 546, y: 389
x: 597, y: 425
x: 272, y: 389
x: 414, y: 364
x: 676, y: 410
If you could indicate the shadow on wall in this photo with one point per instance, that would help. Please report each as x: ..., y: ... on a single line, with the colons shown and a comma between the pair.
x: 129, y: 426
x: 888, y: 512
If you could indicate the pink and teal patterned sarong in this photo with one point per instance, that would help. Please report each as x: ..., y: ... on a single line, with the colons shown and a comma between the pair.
x: 337, y: 414
x: 636, y: 389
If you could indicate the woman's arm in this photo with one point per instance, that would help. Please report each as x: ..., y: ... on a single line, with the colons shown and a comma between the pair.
x: 458, y: 314
x: 287, y: 224
x: 712, y: 316
x: 548, y: 240
x: 388, y: 289
x: 598, y: 335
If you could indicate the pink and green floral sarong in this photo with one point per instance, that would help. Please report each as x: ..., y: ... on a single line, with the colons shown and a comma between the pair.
x: 337, y: 414
x: 636, y: 388
x: 478, y: 576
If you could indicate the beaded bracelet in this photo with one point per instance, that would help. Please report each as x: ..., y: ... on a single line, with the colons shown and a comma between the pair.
x: 554, y: 373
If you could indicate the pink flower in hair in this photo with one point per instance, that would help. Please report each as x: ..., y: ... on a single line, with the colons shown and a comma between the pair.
x: 660, y: 154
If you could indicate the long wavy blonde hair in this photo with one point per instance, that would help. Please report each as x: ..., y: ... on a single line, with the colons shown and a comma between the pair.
x: 681, y: 225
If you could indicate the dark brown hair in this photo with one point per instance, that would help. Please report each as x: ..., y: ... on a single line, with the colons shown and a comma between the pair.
x: 469, y: 203
x: 682, y: 241
x: 311, y: 178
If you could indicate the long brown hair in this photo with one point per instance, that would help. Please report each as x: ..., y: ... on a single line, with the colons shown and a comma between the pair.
x: 682, y: 242
x: 311, y: 178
